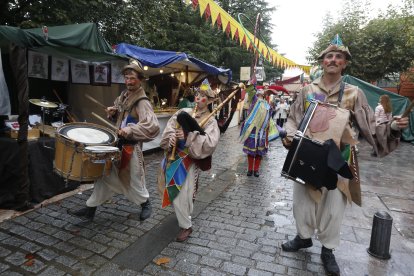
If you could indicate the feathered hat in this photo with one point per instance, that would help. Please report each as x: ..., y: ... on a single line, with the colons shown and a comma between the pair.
x: 205, y: 88
x: 336, y: 45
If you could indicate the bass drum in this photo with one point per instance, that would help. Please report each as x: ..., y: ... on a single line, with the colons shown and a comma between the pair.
x: 71, y: 161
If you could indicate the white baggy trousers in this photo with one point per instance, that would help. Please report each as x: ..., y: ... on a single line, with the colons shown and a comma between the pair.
x: 325, y: 216
x: 107, y: 186
x: 183, y: 203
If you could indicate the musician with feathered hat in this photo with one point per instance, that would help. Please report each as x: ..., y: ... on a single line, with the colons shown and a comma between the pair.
x: 188, y: 146
x: 254, y: 132
x: 322, y: 209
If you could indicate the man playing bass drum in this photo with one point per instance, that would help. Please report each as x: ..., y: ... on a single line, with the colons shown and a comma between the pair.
x: 136, y: 123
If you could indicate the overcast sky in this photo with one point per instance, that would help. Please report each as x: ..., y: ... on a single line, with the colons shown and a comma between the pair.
x: 296, y: 22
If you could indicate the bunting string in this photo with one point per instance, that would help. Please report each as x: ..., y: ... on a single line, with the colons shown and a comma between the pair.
x: 234, y: 29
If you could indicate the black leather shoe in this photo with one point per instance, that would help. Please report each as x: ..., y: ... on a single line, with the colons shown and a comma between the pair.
x: 256, y: 173
x: 87, y: 212
x: 296, y: 244
x: 146, y: 210
x: 249, y: 173
x: 329, y: 262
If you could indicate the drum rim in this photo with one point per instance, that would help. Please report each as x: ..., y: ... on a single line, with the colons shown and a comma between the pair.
x: 113, y: 137
x: 102, y: 148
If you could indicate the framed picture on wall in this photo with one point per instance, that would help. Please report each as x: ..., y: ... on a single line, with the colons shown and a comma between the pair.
x: 60, y: 69
x: 101, y: 74
x: 80, y: 72
x: 38, y: 65
x: 116, y: 71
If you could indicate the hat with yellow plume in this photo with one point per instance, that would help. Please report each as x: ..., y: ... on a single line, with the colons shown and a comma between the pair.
x: 336, y: 45
x: 206, y: 89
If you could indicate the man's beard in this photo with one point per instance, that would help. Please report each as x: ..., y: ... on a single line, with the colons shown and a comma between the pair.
x: 131, y: 87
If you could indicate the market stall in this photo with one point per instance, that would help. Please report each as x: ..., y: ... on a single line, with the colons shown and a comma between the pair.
x: 169, y: 74
x: 42, y: 68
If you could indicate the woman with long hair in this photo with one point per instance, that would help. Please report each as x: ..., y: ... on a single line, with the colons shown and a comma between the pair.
x: 383, y: 111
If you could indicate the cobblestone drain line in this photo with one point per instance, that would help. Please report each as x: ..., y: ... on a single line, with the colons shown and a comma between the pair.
x: 240, y: 232
x: 159, y: 237
x: 48, y: 241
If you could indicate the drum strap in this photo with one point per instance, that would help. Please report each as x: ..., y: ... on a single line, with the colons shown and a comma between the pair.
x: 136, y: 103
x: 341, y: 92
x: 129, y: 110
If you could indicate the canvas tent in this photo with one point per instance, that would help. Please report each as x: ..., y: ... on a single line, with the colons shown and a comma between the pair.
x: 77, y: 41
x: 173, y: 62
x: 81, y: 42
x: 399, y: 103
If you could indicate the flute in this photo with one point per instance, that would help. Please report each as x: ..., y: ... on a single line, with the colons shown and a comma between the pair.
x: 220, y: 106
x: 177, y: 125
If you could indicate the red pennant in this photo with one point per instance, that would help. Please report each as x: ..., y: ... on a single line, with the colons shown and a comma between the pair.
x: 195, y: 4
x: 207, y: 12
x: 228, y: 29
x: 219, y: 21
x: 236, y: 35
x: 244, y: 40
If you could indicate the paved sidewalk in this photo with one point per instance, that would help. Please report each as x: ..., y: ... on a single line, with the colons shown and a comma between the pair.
x: 239, y: 225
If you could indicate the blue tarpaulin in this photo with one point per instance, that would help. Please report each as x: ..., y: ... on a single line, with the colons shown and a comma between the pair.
x: 172, y: 62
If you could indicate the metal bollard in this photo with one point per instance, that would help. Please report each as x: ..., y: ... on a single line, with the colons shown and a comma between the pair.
x: 379, y: 246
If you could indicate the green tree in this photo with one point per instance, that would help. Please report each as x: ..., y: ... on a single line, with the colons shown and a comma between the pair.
x: 380, y: 47
x: 134, y: 21
x: 158, y: 24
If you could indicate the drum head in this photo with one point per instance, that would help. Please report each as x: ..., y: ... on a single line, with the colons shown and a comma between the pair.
x: 88, y: 134
x: 101, y: 149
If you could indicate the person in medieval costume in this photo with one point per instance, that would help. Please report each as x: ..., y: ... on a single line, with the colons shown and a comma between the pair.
x: 254, y: 132
x: 322, y: 209
x: 190, y: 145
x: 136, y: 123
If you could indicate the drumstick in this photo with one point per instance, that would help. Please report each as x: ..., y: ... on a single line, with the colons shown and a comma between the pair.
x: 71, y: 116
x: 105, y: 121
x: 95, y: 101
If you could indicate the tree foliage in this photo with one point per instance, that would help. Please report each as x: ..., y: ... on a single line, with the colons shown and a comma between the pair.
x: 157, y: 24
x: 380, y: 47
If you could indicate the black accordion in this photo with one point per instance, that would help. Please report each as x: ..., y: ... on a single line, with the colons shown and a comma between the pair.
x: 314, y: 162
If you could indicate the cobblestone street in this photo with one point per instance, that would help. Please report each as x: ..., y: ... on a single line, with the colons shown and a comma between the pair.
x: 239, y: 224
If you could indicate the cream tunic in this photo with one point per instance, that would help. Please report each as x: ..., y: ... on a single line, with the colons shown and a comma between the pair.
x: 199, y: 146
x: 131, y: 180
x: 323, y: 210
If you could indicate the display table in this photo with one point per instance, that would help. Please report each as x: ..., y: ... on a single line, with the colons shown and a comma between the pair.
x: 42, y: 182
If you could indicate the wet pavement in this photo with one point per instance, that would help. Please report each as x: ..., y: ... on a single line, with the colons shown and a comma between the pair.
x: 239, y: 224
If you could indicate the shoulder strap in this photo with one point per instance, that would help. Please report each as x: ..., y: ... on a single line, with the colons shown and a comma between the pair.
x: 341, y: 92
x: 137, y: 101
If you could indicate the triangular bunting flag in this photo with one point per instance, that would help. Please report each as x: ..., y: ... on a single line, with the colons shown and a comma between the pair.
x: 207, y: 12
x: 228, y: 29
x: 236, y: 35
x: 219, y: 20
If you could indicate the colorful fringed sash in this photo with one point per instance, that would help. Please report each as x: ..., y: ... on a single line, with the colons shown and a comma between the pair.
x: 175, y: 173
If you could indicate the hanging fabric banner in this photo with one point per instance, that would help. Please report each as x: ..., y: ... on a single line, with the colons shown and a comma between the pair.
x: 211, y: 10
